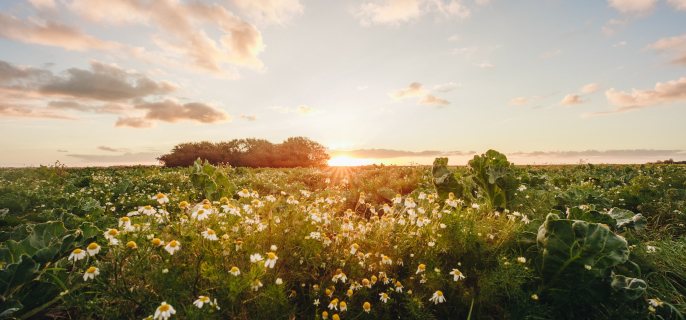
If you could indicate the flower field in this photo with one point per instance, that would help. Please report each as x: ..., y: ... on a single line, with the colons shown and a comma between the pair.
x: 489, y: 240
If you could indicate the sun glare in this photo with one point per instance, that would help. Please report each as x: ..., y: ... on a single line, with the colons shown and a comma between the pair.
x: 345, y: 161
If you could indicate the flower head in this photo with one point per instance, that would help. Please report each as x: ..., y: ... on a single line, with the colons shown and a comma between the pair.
x: 367, y: 307
x: 77, y: 255
x: 173, y: 246
x: 437, y: 297
x: 93, y: 249
x: 90, y: 273
x: 201, y: 301
x: 164, y: 311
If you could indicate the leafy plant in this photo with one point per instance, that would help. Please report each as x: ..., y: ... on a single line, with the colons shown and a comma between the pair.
x: 211, y: 181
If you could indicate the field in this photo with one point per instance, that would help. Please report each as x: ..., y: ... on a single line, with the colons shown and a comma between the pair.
x: 489, y: 240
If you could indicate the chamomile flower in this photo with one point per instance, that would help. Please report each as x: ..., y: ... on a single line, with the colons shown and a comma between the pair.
x: 93, y: 249
x: 161, y: 198
x: 437, y: 297
x: 271, y: 260
x: 244, y: 193
x: 209, y: 234
x: 110, y: 235
x: 132, y: 245
x: 386, y: 259
x: 343, y: 305
x: 420, y: 268
x: 235, y: 271
x: 325, y: 315
x: 200, y: 214
x: 146, y: 210
x: 367, y: 307
x: 457, y: 275
x: 398, y: 287
x: 256, y: 257
x: 521, y: 259
x: 90, y: 273
x: 333, y: 305
x: 278, y: 281
x: 157, y: 242
x: 201, y: 301
x: 172, y: 247
x: 256, y: 285
x: 164, y: 311
x: 383, y: 297
x: 339, y: 276
x: 77, y: 255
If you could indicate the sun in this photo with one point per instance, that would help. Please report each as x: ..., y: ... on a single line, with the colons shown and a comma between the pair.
x: 345, y: 161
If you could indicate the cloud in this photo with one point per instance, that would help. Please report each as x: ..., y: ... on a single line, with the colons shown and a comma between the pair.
x: 181, y: 26
x: 132, y: 158
x: 674, y: 46
x: 612, y: 25
x: 519, y: 101
x: 133, y: 122
x: 270, y: 11
x: 446, y: 87
x: 431, y: 100
x: 49, y: 33
x: 622, y: 153
x: 415, y: 89
x: 636, y: 7
x: 678, y: 4
x: 664, y: 92
x: 173, y: 111
x: 590, y: 88
x: 106, y: 83
x: 22, y: 111
x: 485, y: 65
x: 107, y: 108
x: 110, y: 149
x: 43, y: 4
x: 248, y: 117
x: 394, y: 12
x: 571, y: 99
x: 391, y: 153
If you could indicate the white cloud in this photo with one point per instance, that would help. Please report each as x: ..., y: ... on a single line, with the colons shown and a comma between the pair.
x: 638, y: 7
x: 394, y: 12
x: 519, y: 101
x: 571, y: 99
x: 664, y: 92
x: 415, y: 89
x: 590, y: 88
x: 446, y: 87
x: 431, y: 100
x: 673, y: 46
x: 248, y: 117
x: 266, y: 12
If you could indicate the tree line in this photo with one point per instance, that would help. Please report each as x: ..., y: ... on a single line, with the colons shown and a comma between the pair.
x: 251, y: 152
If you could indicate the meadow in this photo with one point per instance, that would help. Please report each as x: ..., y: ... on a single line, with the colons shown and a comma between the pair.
x: 489, y: 240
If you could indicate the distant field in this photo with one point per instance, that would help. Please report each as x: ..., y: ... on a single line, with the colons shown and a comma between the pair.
x: 489, y: 240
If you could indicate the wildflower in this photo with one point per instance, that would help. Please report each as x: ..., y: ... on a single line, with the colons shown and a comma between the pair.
x: 339, y: 276
x: 279, y: 281
x: 457, y: 275
x: 146, y: 210
x: 374, y: 279
x: 525, y: 219
x: 367, y: 307
x: 256, y: 257
x: 256, y: 285
x: 77, y: 255
x: 173, y: 246
x: 161, y: 198
x: 333, y: 304
x: 386, y: 260
x: 353, y: 248
x: 587, y: 267
x: 534, y: 297
x: 651, y: 249
x: 437, y: 297
x: 184, y: 205
x: 93, y: 249
x: 157, y: 242
x: 316, y: 302
x: 654, y: 303
x: 202, y: 300
x: 132, y: 245
x: 398, y: 287
x: 239, y: 244
x: 383, y: 297
x: 235, y: 271
x: 125, y: 222
x: 164, y: 311
x: 335, y: 317
x: 200, y: 214
x: 420, y: 268
x: 110, y: 235
x: 244, y: 193
x: 325, y: 315
x: 271, y: 260
x: 209, y: 234
x: 343, y: 305
x: 521, y: 259
x: 273, y: 247
x: 366, y: 283
x: 349, y: 293
x: 90, y: 273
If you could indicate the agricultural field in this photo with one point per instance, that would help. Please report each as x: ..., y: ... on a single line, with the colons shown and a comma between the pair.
x: 489, y: 240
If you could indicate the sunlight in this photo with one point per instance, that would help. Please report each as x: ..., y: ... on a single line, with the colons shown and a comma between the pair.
x: 345, y: 161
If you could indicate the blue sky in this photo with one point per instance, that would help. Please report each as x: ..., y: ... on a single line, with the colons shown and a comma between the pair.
x: 100, y: 82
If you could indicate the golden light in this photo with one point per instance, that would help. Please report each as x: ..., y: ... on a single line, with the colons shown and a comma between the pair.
x: 345, y: 161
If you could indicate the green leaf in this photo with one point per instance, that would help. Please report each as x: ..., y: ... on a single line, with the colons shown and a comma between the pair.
x: 632, y: 288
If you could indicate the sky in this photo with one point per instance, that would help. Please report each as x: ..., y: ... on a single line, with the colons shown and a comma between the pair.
x: 98, y: 82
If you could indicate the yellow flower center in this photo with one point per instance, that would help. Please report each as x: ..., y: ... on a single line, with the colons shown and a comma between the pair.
x: 131, y: 245
x: 113, y: 232
x: 173, y: 243
x: 367, y: 306
x: 148, y: 207
x: 91, y: 270
x: 77, y: 251
x: 207, y: 206
x: 183, y: 204
x: 343, y: 304
x: 92, y: 246
x: 160, y: 195
x: 210, y: 231
x: 156, y: 241
x: 365, y: 281
x: 164, y: 307
x: 125, y: 219
x: 439, y: 293
x: 271, y: 255
x: 234, y: 269
x: 421, y: 267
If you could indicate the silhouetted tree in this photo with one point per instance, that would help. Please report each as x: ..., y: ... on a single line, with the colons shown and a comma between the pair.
x: 293, y: 152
